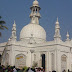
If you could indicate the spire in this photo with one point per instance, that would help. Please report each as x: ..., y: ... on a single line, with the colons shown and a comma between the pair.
x: 67, y: 36
x: 14, y: 25
x: 14, y: 22
x: 57, y: 19
x: 35, y: 15
x: 57, y: 30
x: 14, y: 31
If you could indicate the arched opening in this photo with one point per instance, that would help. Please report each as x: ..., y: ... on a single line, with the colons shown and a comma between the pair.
x: 43, y: 61
x: 20, y: 60
x: 63, y: 62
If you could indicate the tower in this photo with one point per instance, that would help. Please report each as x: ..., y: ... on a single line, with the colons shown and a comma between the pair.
x: 35, y: 15
x: 13, y: 36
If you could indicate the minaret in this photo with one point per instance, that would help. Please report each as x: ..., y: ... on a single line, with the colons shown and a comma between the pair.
x: 57, y: 35
x: 35, y: 15
x: 13, y: 37
x: 67, y: 37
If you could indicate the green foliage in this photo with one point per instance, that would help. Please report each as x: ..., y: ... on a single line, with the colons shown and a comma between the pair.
x: 25, y: 68
x: 2, y: 26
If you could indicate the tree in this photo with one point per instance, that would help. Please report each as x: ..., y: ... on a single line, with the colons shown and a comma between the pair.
x: 2, y: 26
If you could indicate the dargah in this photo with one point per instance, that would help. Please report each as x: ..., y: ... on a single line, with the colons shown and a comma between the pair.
x: 33, y: 48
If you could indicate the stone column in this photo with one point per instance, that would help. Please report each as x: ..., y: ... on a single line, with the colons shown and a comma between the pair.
x: 58, y: 62
x: 12, y: 56
x: 50, y: 61
x: 28, y: 59
x: 38, y: 59
x: 47, y: 61
x: 69, y: 62
x: 55, y: 60
x: 31, y: 56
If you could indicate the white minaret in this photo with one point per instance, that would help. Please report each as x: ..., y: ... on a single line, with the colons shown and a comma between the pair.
x: 57, y: 35
x: 67, y: 36
x: 35, y: 15
x: 13, y: 37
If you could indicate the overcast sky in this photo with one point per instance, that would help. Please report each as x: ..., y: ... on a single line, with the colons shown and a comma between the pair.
x: 19, y: 11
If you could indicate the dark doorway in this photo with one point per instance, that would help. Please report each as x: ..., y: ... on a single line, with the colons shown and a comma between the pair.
x: 43, y: 61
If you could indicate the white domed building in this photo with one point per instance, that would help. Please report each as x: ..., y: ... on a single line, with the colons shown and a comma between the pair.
x: 32, y: 48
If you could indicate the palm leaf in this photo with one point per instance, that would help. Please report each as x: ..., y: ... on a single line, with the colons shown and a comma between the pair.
x: 3, y: 27
x: 2, y: 22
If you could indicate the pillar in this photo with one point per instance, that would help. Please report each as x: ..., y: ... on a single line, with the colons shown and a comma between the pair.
x: 47, y: 61
x: 58, y: 62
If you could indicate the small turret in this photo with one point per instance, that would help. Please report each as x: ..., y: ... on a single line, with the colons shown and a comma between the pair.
x: 57, y: 35
x: 13, y: 37
x: 67, y: 37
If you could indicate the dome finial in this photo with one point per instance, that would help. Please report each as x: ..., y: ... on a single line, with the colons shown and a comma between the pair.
x: 67, y: 36
x: 35, y: 3
x: 57, y: 22
x: 14, y: 25
x: 14, y: 22
x: 57, y: 19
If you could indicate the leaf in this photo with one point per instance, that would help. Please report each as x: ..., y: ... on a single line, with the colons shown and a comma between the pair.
x: 3, y: 27
x: 2, y: 22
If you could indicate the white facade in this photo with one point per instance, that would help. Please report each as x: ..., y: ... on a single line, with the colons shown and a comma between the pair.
x: 33, y: 47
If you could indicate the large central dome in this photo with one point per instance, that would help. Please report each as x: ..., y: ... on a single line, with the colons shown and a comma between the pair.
x: 33, y: 31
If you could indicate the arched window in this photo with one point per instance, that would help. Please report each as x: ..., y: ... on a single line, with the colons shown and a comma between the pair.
x: 20, y: 60
x: 63, y: 62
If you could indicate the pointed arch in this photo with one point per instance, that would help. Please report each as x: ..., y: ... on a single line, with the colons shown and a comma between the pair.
x: 63, y: 62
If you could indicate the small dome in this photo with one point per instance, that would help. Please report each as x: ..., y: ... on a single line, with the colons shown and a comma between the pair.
x: 35, y: 3
x: 33, y: 30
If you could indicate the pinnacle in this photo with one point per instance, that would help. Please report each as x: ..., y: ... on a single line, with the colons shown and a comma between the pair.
x: 14, y: 21
x: 67, y: 33
x: 57, y: 19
